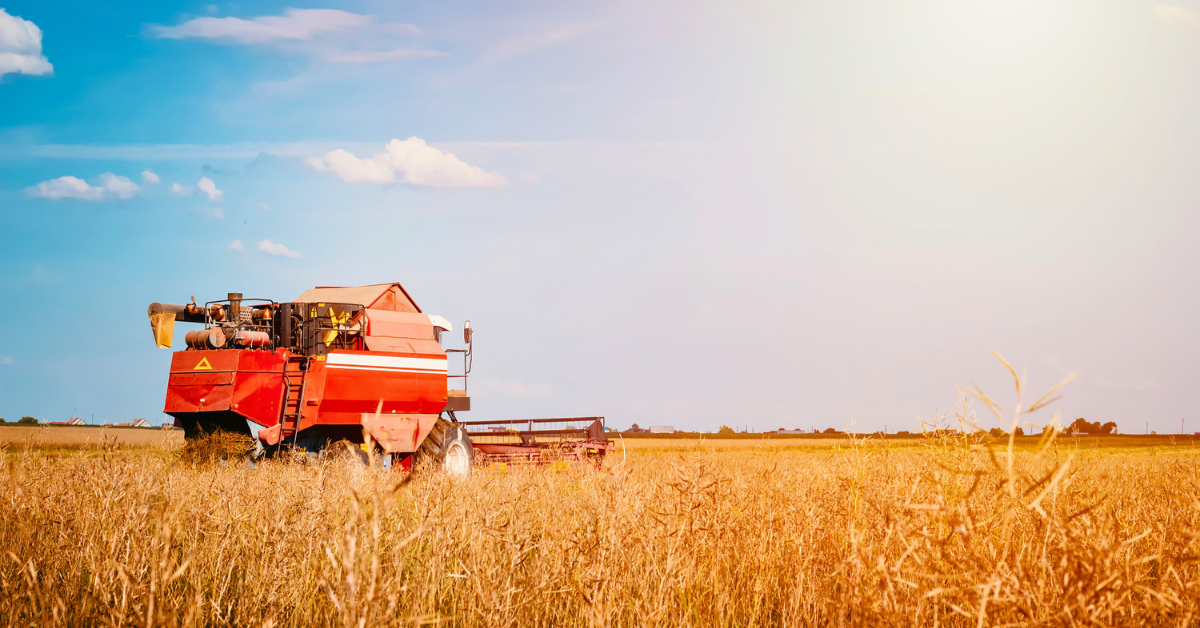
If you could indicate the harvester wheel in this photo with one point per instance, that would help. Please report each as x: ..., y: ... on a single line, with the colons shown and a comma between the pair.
x: 447, y: 448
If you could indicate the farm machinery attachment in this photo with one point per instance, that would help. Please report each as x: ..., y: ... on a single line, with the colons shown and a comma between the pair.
x: 359, y: 364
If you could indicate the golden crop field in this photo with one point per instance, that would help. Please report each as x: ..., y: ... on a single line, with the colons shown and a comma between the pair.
x: 66, y: 437
x: 933, y: 531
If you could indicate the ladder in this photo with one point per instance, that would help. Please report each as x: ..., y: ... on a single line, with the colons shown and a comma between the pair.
x: 295, y: 374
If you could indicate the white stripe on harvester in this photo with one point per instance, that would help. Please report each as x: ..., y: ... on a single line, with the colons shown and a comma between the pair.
x: 384, y: 362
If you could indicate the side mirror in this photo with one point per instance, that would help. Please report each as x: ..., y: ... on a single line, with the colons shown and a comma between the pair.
x: 467, y: 332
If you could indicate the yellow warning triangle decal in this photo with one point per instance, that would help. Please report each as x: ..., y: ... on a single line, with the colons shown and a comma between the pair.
x: 203, y: 365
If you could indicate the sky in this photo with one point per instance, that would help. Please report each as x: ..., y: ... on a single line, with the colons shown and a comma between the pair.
x: 760, y: 214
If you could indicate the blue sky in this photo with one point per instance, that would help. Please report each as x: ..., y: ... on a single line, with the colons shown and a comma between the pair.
x: 761, y: 214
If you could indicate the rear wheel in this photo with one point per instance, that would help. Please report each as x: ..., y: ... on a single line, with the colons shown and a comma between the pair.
x: 447, y: 449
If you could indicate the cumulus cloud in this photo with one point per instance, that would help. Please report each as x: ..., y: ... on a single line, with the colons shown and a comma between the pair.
x: 332, y: 35
x: 264, y: 207
x: 110, y: 187
x: 118, y: 187
x: 7, y: 359
x: 352, y: 169
x: 274, y: 248
x: 21, y: 47
x: 207, y: 186
x: 1172, y: 15
x: 514, y: 388
x: 529, y: 178
x: 236, y: 245
x: 416, y: 162
x: 149, y: 178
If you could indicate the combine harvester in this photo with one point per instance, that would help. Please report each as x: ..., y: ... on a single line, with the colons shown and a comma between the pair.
x: 360, y: 364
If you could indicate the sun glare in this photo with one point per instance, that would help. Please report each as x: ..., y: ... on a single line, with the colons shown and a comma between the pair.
x: 999, y: 33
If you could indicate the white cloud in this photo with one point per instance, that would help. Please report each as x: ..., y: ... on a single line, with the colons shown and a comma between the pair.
x: 179, y: 190
x: 119, y: 187
x: 109, y: 188
x: 7, y: 359
x: 236, y: 245
x: 518, y: 389
x: 332, y: 35
x: 251, y: 151
x: 264, y: 207
x: 351, y: 169
x: 529, y: 178
x: 21, y: 47
x: 1172, y: 15
x: 149, y: 178
x: 417, y: 162
x: 296, y: 24
x: 66, y: 187
x: 207, y: 186
x: 210, y: 213
x: 274, y: 248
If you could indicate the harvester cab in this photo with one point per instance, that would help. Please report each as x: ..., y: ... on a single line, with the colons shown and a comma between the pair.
x: 360, y: 364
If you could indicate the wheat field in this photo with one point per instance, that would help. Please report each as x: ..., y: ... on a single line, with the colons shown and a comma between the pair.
x: 936, y: 532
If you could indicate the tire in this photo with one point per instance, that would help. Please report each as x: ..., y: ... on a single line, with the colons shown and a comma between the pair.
x: 344, y: 450
x: 447, y: 449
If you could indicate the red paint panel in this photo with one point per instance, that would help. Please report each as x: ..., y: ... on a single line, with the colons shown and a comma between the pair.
x: 201, y: 378
x: 247, y: 382
x: 351, y: 392
x: 204, y: 398
x: 257, y: 396
x: 399, y: 434
x: 270, y: 435
x: 259, y: 361
x: 191, y: 361
x: 392, y: 345
x: 399, y: 325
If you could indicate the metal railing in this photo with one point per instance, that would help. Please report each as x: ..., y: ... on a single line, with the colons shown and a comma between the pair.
x: 561, y: 430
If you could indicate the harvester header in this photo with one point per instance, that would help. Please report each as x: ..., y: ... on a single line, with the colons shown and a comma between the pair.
x: 361, y: 364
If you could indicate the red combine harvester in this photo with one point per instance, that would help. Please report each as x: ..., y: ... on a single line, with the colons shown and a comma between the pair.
x: 360, y: 364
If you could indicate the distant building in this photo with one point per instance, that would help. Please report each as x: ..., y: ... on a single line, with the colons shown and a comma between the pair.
x: 662, y: 429
x: 74, y: 421
x: 134, y: 423
x: 783, y: 431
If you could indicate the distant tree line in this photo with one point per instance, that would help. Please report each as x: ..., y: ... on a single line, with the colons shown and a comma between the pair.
x: 25, y: 420
x: 1078, y: 426
x: 1083, y: 426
